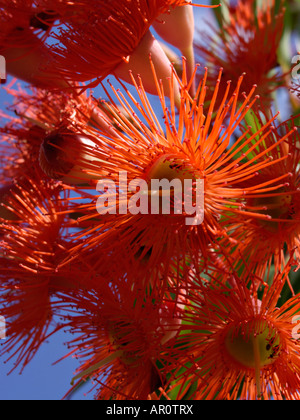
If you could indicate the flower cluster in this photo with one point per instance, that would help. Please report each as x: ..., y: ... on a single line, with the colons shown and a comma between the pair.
x: 156, y: 223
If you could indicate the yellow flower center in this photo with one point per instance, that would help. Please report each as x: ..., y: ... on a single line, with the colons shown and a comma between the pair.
x: 166, y: 181
x: 255, y: 348
x: 170, y: 168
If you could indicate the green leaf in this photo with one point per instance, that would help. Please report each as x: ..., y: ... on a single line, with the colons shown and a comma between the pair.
x: 221, y: 12
x: 254, y: 124
x: 183, y: 389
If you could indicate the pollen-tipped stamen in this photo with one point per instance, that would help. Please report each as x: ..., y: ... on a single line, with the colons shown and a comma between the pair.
x: 93, y: 368
x: 277, y: 205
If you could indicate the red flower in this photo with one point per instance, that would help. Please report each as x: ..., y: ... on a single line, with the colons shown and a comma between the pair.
x: 235, y: 342
x: 246, y: 43
x: 268, y: 240
x: 193, y: 145
x: 39, y: 133
x: 121, y: 332
x: 24, y: 29
x: 32, y: 247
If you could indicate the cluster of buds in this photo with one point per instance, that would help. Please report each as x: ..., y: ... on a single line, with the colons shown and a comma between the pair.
x: 157, y: 223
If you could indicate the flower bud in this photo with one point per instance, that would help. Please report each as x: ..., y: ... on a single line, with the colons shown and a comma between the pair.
x: 139, y: 63
x: 177, y: 28
x: 65, y: 155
